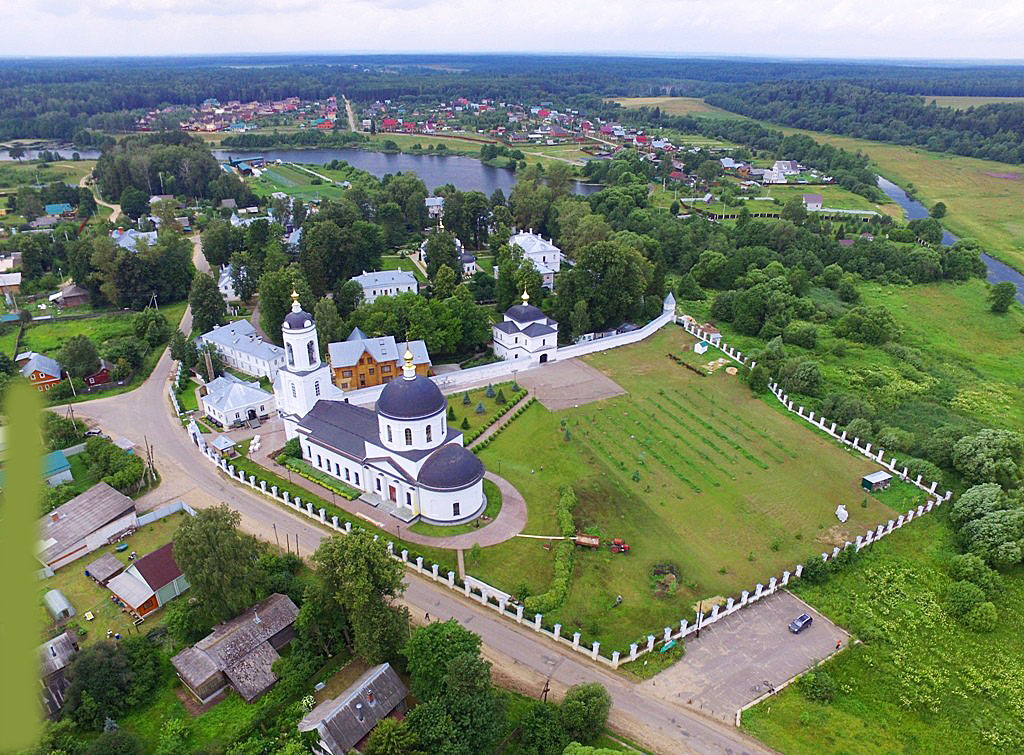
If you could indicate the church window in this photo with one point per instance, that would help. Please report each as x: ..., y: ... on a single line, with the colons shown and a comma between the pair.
x: 390, y: 439
x: 310, y: 352
x: 291, y: 356
x: 319, y: 461
x: 428, y: 433
x: 357, y: 478
x: 378, y: 483
x: 408, y: 436
x: 347, y: 477
x: 455, y: 509
x: 316, y: 387
x: 408, y: 498
x: 293, y: 390
x: 337, y: 470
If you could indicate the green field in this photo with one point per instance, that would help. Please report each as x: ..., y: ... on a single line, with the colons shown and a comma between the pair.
x: 394, y: 262
x: 13, y: 173
x: 962, y: 102
x: 85, y: 595
x: 919, y: 681
x: 677, y: 106
x: 730, y: 491
x: 832, y: 196
x: 479, y: 396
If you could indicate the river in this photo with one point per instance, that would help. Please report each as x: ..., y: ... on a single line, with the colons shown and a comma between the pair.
x: 65, y: 153
x: 998, y: 272
x: 465, y: 173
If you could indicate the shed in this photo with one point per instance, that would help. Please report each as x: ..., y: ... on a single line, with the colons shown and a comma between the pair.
x: 99, y: 516
x: 344, y: 721
x: 876, y: 481
x: 223, y: 445
x: 56, y: 468
x: 104, y: 567
x: 58, y: 605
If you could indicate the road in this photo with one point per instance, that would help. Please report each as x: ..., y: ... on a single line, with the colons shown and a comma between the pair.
x: 639, y: 711
x: 115, y: 209
x: 350, y: 114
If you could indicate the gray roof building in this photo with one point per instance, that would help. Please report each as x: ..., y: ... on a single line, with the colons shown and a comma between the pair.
x: 344, y: 721
x: 241, y: 336
x: 83, y: 524
x: 58, y: 605
x: 386, y: 283
x: 104, y: 567
x: 54, y: 656
x: 129, y: 239
x: 39, y: 363
x: 382, y: 348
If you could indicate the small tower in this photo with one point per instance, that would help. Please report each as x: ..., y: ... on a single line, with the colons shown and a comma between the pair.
x: 304, y: 379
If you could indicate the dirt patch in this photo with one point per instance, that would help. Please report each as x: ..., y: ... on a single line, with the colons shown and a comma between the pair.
x: 836, y: 535
x: 1007, y: 176
x: 193, y: 706
x: 706, y: 604
x: 664, y: 580
x: 568, y: 384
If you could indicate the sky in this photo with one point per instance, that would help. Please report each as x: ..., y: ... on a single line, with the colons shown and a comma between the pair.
x: 928, y: 29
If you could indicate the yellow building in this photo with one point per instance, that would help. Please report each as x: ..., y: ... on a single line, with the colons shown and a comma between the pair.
x: 361, y: 362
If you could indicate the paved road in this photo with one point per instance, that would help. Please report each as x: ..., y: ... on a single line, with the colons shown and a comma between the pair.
x: 145, y: 414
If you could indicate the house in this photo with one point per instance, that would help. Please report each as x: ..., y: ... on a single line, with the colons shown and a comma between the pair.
x: 772, y: 177
x: 435, y: 207
x: 545, y: 256
x: 226, y: 284
x: 239, y: 653
x: 241, y: 347
x: 786, y: 167
x: 468, y: 262
x: 727, y: 163
x: 58, y: 605
x: 54, y: 657
x: 386, y: 283
x: 150, y: 582
x: 44, y: 221
x: 10, y: 284
x: 56, y: 468
x: 61, y: 209
x: 42, y: 371
x: 130, y: 239
x: 812, y: 202
x: 525, y: 334
x: 97, y: 517
x: 104, y: 568
x: 230, y: 401
x: 876, y: 481
x: 360, y: 362
x: 229, y: 204
x: 102, y: 376
x: 70, y: 297
x: 344, y: 723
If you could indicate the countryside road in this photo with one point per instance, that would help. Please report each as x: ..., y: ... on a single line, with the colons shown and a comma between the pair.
x: 638, y: 712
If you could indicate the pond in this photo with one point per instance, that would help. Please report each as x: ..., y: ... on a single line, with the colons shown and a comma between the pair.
x: 465, y: 173
x: 65, y: 153
x: 998, y: 272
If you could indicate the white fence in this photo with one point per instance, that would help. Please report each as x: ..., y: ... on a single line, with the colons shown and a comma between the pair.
x: 164, y: 511
x: 620, y: 339
x: 691, y: 327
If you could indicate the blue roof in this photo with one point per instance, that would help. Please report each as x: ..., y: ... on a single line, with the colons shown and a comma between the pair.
x: 55, y: 462
x: 58, y: 209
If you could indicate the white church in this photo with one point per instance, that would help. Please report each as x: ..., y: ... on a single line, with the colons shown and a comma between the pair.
x: 402, y: 451
x: 525, y: 334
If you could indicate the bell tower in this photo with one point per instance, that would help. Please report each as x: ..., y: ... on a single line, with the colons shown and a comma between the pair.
x: 304, y: 379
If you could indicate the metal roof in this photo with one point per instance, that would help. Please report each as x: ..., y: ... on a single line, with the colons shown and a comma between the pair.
x: 878, y: 476
x: 228, y: 394
x: 385, y: 278
x: 130, y: 589
x: 57, y: 603
x: 40, y: 363
x: 242, y: 336
x: 105, y: 567
x: 382, y: 348
x: 81, y: 516
x: 451, y: 467
x: 55, y: 654
x: 159, y: 567
x: 411, y: 398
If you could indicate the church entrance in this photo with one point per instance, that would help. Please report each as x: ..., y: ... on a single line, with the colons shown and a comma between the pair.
x: 252, y: 414
x: 543, y: 358
x: 392, y: 493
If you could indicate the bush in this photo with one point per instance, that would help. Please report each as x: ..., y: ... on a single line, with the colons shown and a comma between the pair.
x: 584, y: 711
x: 983, y: 617
x: 973, y: 568
x: 801, y: 334
x: 818, y: 686
x: 558, y: 590
x: 815, y: 570
x: 962, y: 597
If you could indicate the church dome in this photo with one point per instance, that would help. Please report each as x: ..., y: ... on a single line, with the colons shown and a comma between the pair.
x: 415, y: 398
x: 451, y: 467
x: 297, y: 318
x: 524, y: 312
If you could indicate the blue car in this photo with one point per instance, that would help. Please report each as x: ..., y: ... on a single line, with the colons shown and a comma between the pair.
x: 800, y: 623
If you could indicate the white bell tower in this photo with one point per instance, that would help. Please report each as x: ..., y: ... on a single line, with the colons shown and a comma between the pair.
x: 304, y: 379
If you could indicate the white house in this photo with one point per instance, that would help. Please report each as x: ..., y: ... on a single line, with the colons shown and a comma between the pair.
x: 468, y: 264
x: 435, y: 207
x: 241, y: 347
x: 526, y: 334
x: 386, y: 283
x: 773, y: 177
x: 402, y: 451
x: 129, y: 239
x: 226, y: 285
x: 545, y: 256
x: 230, y: 401
x: 786, y: 167
x: 813, y: 202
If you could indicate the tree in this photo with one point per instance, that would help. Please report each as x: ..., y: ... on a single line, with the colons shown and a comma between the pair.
x: 1001, y: 296
x: 219, y: 562
x: 963, y: 596
x: 79, y: 356
x: 938, y: 210
x: 444, y: 282
x: 972, y: 568
x: 977, y: 501
x: 151, y: 326
x: 275, y: 301
x: 541, y: 731
x: 207, y: 303
x: 328, y: 324
x: 709, y: 170
x: 107, y: 680
x: 392, y: 737
x: 794, y: 211
x: 429, y: 651
x: 612, y: 277
x: 575, y: 748
x: 220, y: 240
x: 17, y: 152
x: 874, y: 325
x: 434, y: 729
x: 365, y: 580
x: 996, y: 537
x: 347, y: 296
x: 441, y: 251
x: 584, y: 711
x: 134, y: 203
x: 115, y: 742
x: 579, y: 320
x: 183, y: 350
x: 990, y: 456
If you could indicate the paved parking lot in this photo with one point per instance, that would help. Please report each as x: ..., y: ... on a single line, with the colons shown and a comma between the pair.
x: 563, y: 385
x: 727, y: 667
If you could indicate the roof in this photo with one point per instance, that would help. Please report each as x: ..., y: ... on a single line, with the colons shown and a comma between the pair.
x: 55, y: 462
x: 57, y: 602
x: 159, y: 567
x: 40, y: 363
x: 129, y: 239
x: 524, y: 313
x: 878, y: 476
x: 531, y: 243
x: 434, y: 201
x: 58, y: 208
x: 105, y: 567
x: 229, y: 393
x: 130, y: 589
x: 73, y: 290
x: 382, y: 348
x: 297, y: 319
x: 55, y: 654
x: 242, y: 336
x: 411, y: 398
x: 81, y: 516
x: 344, y: 720
x: 451, y: 467
x: 385, y: 278
x: 536, y: 330
x: 222, y: 443
x: 239, y: 648
x: 812, y: 198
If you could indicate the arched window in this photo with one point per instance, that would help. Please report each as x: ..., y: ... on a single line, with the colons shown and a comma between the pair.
x: 311, y: 352
x: 294, y: 395
x: 316, y: 387
x: 408, y: 436
x: 291, y: 356
x: 428, y: 433
x: 390, y: 439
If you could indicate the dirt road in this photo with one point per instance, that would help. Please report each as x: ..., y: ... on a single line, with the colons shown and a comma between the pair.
x: 115, y: 209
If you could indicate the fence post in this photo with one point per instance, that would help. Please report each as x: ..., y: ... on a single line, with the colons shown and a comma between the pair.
x: 593, y: 651
x: 519, y: 608
x: 451, y: 582
x: 536, y: 621
x: 632, y: 651
x: 575, y: 640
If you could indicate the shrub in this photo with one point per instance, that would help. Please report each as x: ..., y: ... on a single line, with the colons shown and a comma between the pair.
x: 973, y: 568
x: 479, y: 407
x: 983, y: 617
x: 465, y: 399
x: 801, y: 334
x: 584, y: 711
x: 500, y: 399
x: 490, y: 391
x: 558, y: 590
x: 465, y: 423
x: 815, y: 570
x: 818, y: 686
x: 962, y: 597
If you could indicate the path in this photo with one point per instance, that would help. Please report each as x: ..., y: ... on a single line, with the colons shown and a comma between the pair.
x: 502, y: 421
x: 115, y: 209
x: 330, y: 181
x: 350, y: 114
x: 577, y: 163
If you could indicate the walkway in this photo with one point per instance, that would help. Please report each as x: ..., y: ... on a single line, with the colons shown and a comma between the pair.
x: 504, y: 420
x: 115, y: 209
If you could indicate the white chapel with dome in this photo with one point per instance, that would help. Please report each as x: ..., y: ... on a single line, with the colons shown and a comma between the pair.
x: 402, y: 451
x: 525, y: 334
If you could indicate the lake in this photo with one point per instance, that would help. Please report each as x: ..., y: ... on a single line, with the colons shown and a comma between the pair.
x: 465, y: 173
x: 998, y: 272
x: 64, y: 152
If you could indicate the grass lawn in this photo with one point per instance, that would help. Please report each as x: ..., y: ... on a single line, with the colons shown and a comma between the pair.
x: 86, y: 595
x: 264, y: 381
x: 962, y: 102
x: 187, y: 398
x: 478, y: 396
x: 453, y: 144
x: 689, y: 470
x: 493, y: 495
x: 832, y: 196
x: 394, y: 262
x: 921, y: 681
x: 677, y: 106
x: 29, y: 173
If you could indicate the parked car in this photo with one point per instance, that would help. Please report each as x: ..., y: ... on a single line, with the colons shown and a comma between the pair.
x: 800, y: 623
x: 94, y: 433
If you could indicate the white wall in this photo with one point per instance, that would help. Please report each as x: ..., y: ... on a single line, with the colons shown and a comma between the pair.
x: 437, y: 506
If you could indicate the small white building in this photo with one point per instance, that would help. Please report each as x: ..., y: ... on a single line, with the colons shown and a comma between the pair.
x: 226, y: 285
x: 526, y: 334
x: 241, y: 347
x: 435, y: 207
x: 386, y: 283
x: 468, y: 264
x: 786, y: 167
x: 129, y: 239
x: 230, y: 401
x: 813, y: 202
x: 545, y: 256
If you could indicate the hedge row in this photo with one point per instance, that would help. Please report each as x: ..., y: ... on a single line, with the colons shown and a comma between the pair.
x: 474, y: 434
x: 487, y: 441
x: 303, y: 469
x: 565, y: 558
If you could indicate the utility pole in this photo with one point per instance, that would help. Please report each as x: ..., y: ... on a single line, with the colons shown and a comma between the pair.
x: 276, y: 537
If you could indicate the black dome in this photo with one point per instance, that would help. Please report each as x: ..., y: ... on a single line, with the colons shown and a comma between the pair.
x: 411, y: 399
x: 525, y: 313
x: 296, y: 320
x: 451, y: 467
